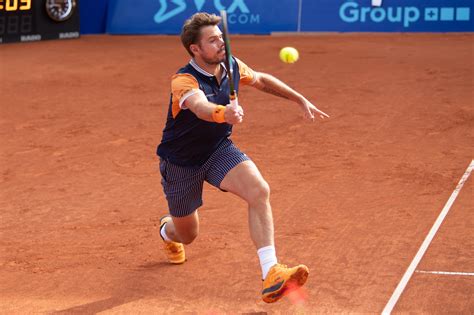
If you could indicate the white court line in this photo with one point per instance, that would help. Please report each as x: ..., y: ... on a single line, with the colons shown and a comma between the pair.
x: 406, y: 277
x: 446, y: 273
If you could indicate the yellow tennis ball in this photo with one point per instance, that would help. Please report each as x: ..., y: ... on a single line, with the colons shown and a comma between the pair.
x: 289, y: 55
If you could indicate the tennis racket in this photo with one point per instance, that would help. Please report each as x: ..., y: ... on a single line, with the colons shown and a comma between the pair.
x: 225, y: 33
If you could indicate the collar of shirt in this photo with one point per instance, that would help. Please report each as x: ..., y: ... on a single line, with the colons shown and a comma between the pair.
x: 201, y: 70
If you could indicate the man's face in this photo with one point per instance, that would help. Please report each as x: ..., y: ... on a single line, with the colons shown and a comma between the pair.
x: 211, y: 46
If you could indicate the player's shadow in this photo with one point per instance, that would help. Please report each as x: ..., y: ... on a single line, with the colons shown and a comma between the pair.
x: 137, y: 284
x: 97, y: 306
x: 129, y: 290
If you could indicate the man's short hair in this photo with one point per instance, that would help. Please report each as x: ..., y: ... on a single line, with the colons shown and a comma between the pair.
x: 191, y: 32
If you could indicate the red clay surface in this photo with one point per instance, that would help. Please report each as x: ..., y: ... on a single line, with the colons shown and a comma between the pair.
x: 451, y: 251
x: 353, y: 197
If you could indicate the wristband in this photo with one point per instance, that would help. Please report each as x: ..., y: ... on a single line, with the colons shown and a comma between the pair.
x: 218, y: 114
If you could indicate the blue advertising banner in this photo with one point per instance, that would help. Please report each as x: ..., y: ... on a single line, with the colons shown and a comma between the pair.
x: 392, y: 16
x: 266, y: 16
x: 168, y: 16
x: 93, y: 16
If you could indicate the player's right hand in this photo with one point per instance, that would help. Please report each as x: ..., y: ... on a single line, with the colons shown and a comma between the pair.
x: 233, y: 115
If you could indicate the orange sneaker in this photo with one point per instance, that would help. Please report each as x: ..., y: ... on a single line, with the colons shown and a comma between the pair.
x: 174, y: 251
x: 280, y: 278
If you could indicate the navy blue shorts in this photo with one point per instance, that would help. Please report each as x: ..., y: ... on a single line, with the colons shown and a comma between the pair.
x: 183, y: 184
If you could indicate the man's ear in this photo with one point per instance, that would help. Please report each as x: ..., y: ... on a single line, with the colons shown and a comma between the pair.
x: 194, y: 48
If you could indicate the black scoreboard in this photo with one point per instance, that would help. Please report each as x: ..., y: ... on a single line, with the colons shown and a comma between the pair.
x: 33, y: 20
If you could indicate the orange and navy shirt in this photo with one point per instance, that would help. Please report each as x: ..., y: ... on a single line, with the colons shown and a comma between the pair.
x: 188, y: 140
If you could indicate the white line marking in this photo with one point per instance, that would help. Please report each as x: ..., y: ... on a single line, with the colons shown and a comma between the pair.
x: 376, y: 3
x: 406, y: 277
x: 447, y: 273
x: 299, y: 15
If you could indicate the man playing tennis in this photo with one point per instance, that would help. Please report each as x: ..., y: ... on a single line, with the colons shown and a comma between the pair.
x: 196, y: 147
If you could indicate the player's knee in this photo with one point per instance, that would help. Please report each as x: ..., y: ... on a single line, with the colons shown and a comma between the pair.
x: 259, y: 193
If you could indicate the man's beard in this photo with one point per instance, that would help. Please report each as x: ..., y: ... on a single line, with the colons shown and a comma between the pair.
x: 214, y: 60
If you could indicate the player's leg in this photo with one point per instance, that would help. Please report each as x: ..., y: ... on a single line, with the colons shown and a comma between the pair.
x: 183, y: 189
x: 246, y: 181
x: 232, y: 171
x: 182, y: 229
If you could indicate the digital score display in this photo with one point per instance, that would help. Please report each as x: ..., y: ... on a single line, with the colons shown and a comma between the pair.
x: 33, y: 20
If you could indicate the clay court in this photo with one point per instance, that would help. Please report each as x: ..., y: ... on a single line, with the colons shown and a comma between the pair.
x: 353, y: 196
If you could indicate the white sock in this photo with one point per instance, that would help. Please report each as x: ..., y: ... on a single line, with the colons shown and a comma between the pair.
x: 268, y: 259
x: 163, y: 233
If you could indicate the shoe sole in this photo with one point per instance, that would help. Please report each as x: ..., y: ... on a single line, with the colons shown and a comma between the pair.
x: 180, y: 262
x: 297, y: 279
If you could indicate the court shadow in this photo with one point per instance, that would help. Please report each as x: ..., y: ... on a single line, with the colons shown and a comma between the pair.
x: 131, y: 288
x: 154, y: 266
x: 97, y: 306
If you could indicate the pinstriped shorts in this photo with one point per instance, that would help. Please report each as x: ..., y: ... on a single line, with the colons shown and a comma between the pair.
x: 183, y: 185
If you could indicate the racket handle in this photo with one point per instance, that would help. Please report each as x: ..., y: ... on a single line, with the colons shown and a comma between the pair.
x: 234, y: 101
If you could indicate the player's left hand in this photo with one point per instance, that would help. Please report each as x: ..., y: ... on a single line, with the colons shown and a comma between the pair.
x: 310, y: 111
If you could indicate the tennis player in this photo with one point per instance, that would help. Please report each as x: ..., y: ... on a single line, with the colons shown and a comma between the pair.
x: 195, y: 147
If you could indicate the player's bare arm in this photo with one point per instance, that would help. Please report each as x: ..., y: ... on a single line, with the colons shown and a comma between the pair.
x: 269, y: 84
x: 206, y: 110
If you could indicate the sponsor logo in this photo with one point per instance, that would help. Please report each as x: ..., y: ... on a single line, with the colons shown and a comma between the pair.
x: 237, y: 10
x: 353, y: 12
x: 68, y: 35
x: 447, y: 14
x: 30, y: 38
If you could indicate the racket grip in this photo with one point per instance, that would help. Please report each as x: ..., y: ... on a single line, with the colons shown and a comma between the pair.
x: 234, y: 101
